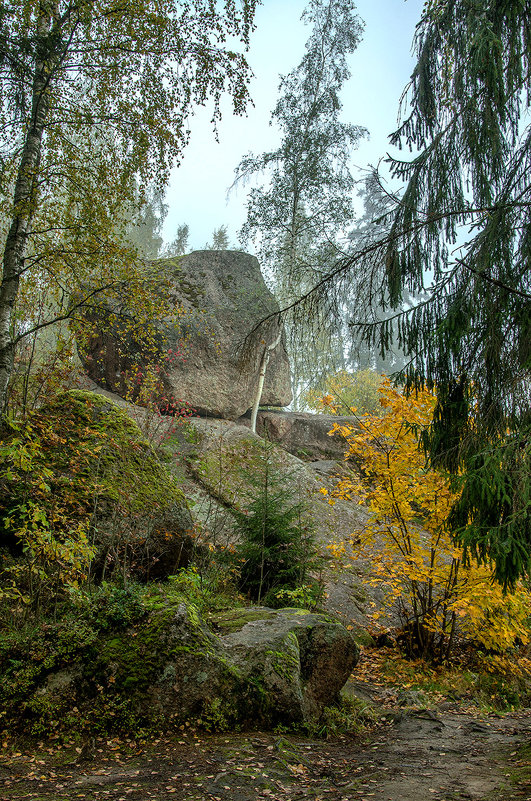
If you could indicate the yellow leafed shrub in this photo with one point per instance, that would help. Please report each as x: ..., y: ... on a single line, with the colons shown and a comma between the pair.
x: 408, y: 540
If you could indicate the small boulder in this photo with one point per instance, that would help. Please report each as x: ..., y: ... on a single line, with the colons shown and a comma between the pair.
x: 301, y: 659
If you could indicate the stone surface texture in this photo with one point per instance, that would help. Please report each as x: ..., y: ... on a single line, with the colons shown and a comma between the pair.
x: 249, y: 666
x: 224, y: 297
x: 302, y: 659
x: 261, y: 665
x: 302, y: 434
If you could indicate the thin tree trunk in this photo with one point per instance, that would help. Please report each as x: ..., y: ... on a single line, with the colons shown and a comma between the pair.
x: 261, y: 378
x: 24, y: 203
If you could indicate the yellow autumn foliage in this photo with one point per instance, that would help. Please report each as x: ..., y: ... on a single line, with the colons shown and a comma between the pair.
x: 346, y: 393
x: 408, y: 540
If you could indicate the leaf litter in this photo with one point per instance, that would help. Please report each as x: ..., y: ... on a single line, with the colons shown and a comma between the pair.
x: 445, y: 755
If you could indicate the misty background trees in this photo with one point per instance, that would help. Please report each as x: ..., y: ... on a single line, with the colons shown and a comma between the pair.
x: 298, y: 214
x: 449, y: 266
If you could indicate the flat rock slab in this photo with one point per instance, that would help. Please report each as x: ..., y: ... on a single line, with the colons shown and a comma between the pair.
x: 303, y: 434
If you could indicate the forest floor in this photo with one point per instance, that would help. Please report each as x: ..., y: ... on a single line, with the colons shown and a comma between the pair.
x: 448, y: 751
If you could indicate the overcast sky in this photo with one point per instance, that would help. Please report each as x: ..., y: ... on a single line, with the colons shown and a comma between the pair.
x: 381, y: 67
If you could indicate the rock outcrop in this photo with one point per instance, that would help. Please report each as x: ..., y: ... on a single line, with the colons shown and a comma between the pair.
x: 302, y: 434
x: 104, y: 477
x: 224, y: 459
x: 250, y: 667
x: 224, y: 296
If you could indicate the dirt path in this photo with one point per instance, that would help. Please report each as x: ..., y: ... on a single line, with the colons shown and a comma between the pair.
x: 411, y: 756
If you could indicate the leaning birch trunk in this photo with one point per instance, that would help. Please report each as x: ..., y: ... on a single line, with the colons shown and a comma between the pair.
x: 261, y: 378
x: 24, y: 199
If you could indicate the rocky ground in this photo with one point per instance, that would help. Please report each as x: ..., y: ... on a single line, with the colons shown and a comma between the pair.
x: 445, y: 752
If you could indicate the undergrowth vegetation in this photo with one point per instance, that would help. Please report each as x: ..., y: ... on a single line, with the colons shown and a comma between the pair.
x: 274, y: 555
x: 79, y: 646
x: 276, y: 559
x: 474, y: 679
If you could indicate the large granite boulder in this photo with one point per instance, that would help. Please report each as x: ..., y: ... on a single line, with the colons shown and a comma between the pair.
x: 251, y: 667
x: 224, y: 296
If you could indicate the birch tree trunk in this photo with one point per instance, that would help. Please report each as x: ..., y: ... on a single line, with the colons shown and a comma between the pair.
x: 261, y: 378
x: 24, y: 203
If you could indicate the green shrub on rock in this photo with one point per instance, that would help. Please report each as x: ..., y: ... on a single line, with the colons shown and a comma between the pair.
x: 83, y: 493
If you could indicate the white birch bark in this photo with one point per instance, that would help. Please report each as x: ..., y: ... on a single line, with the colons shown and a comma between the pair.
x: 24, y: 200
x: 261, y: 378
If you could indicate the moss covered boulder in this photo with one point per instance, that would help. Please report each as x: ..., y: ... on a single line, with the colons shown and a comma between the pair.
x: 246, y: 667
x: 168, y: 670
x: 157, y: 671
x: 79, y: 468
x: 300, y: 660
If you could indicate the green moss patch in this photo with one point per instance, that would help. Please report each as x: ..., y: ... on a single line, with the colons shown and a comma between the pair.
x: 90, y: 446
x: 79, y: 675
x: 80, y: 464
x: 235, y: 619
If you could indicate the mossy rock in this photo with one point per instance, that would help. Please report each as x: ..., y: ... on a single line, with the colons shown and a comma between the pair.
x: 232, y: 461
x: 301, y: 659
x: 231, y: 620
x: 90, y: 462
x: 162, y: 671
x: 169, y: 668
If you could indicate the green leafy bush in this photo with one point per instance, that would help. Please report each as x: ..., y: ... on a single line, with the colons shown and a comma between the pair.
x: 110, y: 605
